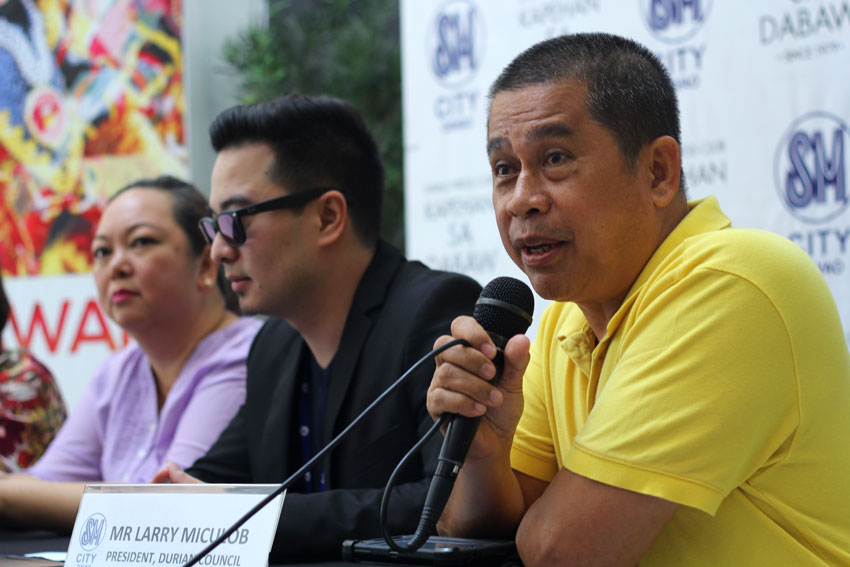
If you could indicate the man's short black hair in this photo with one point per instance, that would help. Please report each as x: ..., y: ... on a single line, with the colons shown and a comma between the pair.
x: 318, y: 141
x: 629, y: 91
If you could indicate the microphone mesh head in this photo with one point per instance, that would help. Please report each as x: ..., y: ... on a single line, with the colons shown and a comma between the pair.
x: 508, y: 320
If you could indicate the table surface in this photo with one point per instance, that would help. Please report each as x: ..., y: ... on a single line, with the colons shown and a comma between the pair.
x: 17, y: 542
x: 20, y: 542
x: 14, y: 542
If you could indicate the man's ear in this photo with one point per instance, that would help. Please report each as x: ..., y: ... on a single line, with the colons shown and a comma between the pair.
x: 333, y: 216
x: 665, y: 168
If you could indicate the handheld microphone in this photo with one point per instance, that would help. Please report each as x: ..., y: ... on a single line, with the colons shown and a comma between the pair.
x: 329, y: 447
x: 504, y: 309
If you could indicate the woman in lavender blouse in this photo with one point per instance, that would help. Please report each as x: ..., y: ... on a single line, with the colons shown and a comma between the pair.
x: 167, y: 396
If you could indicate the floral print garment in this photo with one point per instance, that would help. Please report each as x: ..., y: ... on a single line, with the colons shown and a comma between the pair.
x: 31, y: 410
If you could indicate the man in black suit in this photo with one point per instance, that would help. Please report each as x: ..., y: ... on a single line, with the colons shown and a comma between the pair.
x: 297, y: 186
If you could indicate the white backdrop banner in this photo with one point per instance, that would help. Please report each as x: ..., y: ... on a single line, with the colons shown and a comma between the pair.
x: 764, y: 98
x: 59, y: 319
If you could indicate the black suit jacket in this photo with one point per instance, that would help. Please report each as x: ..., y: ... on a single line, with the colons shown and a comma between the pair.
x: 399, y: 310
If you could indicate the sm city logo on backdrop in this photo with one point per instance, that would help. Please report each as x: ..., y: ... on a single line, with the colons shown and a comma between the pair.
x: 676, y: 23
x: 455, y: 48
x: 810, y: 174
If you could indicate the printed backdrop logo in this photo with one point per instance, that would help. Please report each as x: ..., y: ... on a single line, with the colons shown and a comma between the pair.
x: 93, y: 532
x: 454, y: 51
x: 456, y: 43
x: 674, y: 21
x: 802, y: 31
x: 810, y: 167
x: 551, y: 18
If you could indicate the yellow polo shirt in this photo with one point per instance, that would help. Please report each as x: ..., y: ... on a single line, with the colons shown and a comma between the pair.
x: 722, y: 384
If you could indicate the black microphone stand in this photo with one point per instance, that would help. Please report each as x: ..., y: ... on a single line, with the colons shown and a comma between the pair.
x: 325, y: 450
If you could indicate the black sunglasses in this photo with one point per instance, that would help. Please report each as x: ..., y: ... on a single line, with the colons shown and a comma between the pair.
x: 229, y: 223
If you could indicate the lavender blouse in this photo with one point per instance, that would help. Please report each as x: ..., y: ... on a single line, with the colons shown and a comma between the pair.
x: 116, y: 434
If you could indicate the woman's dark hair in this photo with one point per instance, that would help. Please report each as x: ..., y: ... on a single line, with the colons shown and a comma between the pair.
x: 190, y: 206
x: 4, y: 306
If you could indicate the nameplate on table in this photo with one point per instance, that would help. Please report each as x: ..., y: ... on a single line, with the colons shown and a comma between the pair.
x: 168, y: 524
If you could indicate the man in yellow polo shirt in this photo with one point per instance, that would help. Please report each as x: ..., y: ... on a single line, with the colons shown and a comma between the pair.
x: 687, y: 397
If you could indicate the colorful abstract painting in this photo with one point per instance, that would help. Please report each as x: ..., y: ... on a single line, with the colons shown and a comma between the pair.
x: 91, y: 98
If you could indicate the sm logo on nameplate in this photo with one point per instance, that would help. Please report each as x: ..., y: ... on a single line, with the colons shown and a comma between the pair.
x: 168, y: 524
x: 92, y: 534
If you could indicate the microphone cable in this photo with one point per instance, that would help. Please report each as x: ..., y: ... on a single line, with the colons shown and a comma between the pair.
x: 331, y: 445
x: 503, y: 310
x: 421, y: 535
